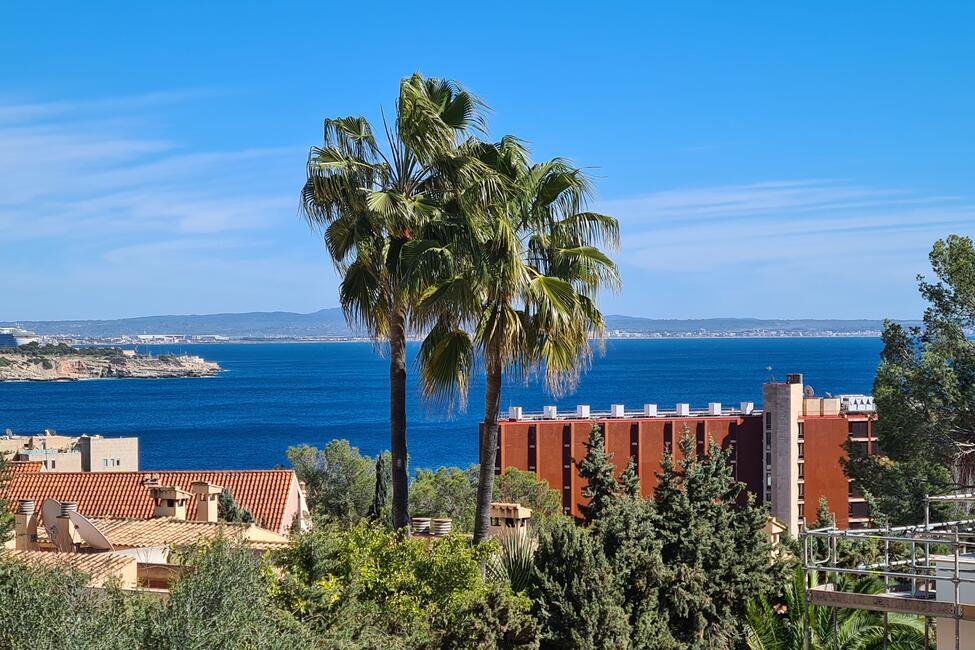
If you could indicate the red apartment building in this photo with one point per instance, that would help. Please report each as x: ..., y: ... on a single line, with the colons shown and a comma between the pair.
x: 788, y: 454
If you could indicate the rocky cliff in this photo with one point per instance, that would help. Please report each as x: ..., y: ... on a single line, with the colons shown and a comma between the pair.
x: 38, y: 366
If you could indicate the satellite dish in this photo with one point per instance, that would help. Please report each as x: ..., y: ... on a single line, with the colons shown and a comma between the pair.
x: 89, y: 532
x: 810, y: 392
x: 49, y: 512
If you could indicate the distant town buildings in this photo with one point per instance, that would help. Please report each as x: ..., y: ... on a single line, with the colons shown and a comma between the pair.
x: 788, y: 454
x: 11, y: 337
x: 56, y: 453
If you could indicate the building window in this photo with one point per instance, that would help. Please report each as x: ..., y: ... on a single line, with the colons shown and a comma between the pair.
x: 802, y: 511
x: 802, y: 449
x: 104, y: 462
x: 802, y: 490
x: 768, y: 458
x: 802, y: 431
x: 801, y: 467
x: 858, y: 428
x: 54, y: 464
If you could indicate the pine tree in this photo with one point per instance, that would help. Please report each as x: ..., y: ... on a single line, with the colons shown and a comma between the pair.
x: 600, y: 475
x: 714, y: 547
x: 229, y: 511
x: 575, y: 594
x: 630, y: 480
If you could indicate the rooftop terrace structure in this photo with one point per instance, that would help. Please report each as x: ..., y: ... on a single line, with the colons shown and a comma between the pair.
x: 928, y: 570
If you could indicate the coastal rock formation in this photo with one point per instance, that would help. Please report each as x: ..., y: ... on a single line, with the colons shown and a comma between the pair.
x: 38, y: 365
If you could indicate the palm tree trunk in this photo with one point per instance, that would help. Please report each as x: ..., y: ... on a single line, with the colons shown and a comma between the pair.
x: 397, y: 418
x: 489, y: 442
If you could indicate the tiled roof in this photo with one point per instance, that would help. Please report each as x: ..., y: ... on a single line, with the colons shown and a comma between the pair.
x: 264, y: 493
x: 99, y: 567
x: 26, y: 466
x: 141, y: 533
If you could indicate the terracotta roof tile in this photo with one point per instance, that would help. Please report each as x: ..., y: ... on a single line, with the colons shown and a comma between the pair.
x: 99, y: 567
x: 265, y: 493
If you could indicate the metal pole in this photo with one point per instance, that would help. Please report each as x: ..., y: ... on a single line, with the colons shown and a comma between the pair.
x: 886, y: 590
x: 805, y: 592
x: 957, y: 581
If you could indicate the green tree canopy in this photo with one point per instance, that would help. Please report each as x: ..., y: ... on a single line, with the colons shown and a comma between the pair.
x: 340, y: 480
x: 925, y: 394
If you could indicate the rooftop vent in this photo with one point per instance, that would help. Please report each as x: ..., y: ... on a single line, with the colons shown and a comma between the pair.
x: 67, y: 507
x: 793, y: 378
x: 25, y: 506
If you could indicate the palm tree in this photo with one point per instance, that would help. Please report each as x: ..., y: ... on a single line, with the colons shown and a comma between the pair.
x: 369, y: 200
x: 782, y: 628
x: 522, y: 271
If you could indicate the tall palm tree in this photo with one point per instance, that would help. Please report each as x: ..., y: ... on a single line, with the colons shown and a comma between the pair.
x: 522, y: 272
x: 782, y: 628
x: 369, y: 201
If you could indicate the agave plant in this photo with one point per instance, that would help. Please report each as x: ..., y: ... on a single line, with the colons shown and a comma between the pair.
x: 514, y: 563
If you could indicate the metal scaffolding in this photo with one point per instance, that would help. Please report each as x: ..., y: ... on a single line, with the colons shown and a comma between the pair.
x: 913, y: 561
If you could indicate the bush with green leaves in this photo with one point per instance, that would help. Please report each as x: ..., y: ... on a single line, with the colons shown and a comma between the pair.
x: 446, y: 492
x: 518, y: 486
x: 340, y: 481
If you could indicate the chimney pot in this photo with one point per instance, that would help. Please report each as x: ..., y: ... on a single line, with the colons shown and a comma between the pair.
x: 25, y: 506
x: 68, y: 507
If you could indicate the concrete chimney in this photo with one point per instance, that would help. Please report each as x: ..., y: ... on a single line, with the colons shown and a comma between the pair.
x: 169, y: 501
x: 66, y: 538
x: 25, y: 525
x: 582, y: 411
x: 206, y: 497
x: 650, y: 410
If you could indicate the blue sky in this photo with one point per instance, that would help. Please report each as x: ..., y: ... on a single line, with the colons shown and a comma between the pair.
x: 764, y: 160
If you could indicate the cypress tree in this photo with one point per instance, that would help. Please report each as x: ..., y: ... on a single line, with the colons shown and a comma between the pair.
x: 380, y: 508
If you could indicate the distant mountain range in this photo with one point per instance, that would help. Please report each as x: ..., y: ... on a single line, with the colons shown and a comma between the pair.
x: 331, y: 322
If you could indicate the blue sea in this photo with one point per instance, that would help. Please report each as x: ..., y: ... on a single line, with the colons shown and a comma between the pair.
x: 273, y: 396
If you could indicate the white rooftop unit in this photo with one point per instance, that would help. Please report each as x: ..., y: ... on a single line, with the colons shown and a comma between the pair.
x: 683, y: 409
x: 857, y: 404
x: 714, y: 408
x: 747, y: 407
x: 514, y: 413
x: 550, y: 412
x: 650, y: 410
x: 616, y: 411
x: 582, y: 410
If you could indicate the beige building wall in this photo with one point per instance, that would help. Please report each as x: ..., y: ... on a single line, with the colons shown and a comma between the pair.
x: 109, y: 454
x: 782, y: 406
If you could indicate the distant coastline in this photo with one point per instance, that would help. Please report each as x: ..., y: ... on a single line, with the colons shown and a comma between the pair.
x: 330, y: 326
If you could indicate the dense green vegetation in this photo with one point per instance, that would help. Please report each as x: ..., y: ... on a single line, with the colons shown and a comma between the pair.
x: 925, y: 393
x: 60, y: 350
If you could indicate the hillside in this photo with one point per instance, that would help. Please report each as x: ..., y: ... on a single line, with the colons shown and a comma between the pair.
x: 331, y: 322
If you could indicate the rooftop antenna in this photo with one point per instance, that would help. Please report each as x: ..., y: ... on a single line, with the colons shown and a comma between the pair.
x: 771, y: 377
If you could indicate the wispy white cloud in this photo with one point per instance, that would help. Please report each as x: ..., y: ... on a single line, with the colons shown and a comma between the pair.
x: 799, y: 244
x: 101, y: 190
